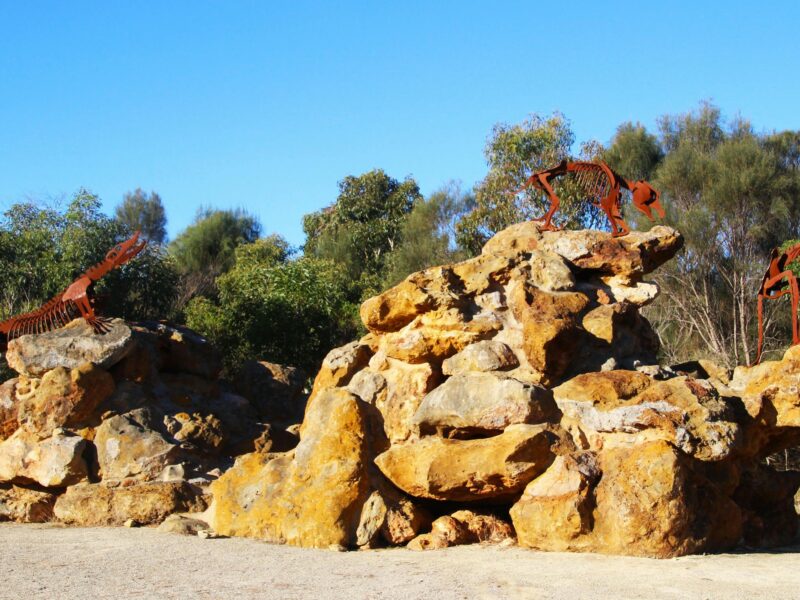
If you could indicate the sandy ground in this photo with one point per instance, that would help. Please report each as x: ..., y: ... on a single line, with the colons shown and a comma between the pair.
x: 42, y: 561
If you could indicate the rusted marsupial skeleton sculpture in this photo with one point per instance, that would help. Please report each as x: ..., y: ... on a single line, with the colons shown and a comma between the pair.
x: 778, y: 281
x: 602, y: 185
x: 75, y: 301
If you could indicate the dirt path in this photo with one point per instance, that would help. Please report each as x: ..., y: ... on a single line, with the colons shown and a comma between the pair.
x: 38, y: 561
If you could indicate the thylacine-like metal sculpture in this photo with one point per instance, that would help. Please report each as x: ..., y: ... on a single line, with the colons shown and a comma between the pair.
x: 603, y: 186
x: 778, y: 281
x: 75, y: 301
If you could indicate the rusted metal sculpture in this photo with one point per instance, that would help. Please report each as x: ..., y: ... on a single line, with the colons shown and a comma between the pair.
x: 603, y: 186
x: 75, y: 301
x: 778, y: 281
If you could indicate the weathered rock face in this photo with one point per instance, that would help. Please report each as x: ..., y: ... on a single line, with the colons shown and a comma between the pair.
x: 25, y: 505
x: 137, y: 406
x: 130, y: 445
x: 8, y: 408
x: 311, y: 497
x: 276, y: 391
x: 482, y: 403
x: 62, y: 398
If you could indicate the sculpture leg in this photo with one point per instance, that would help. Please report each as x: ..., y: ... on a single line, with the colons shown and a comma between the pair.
x: 610, y: 205
x: 555, y: 202
x: 795, y: 298
x: 760, y: 328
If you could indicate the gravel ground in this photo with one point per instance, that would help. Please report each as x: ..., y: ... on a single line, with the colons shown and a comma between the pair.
x: 48, y: 561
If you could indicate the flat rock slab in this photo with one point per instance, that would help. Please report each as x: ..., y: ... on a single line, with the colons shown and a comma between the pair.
x: 70, y: 347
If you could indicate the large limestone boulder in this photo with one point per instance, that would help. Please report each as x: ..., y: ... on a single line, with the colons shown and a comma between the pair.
x: 312, y: 497
x: 479, y: 469
x: 130, y: 445
x: 98, y: 504
x: 489, y: 355
x: 70, y: 347
x: 651, y: 502
x: 525, y: 381
x: 482, y: 403
x: 556, y: 508
x: 56, y: 461
x: 624, y: 407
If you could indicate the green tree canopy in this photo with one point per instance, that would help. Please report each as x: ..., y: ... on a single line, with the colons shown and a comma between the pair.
x: 732, y: 193
x: 362, y: 227
x: 633, y: 153
x: 143, y: 212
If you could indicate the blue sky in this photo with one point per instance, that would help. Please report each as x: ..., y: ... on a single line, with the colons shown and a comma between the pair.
x: 267, y: 105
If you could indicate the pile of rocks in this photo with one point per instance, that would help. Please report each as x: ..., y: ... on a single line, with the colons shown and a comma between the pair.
x: 517, y: 394
x: 130, y: 425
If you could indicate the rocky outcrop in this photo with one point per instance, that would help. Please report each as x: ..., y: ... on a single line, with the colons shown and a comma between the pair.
x: 524, y: 383
x: 130, y: 424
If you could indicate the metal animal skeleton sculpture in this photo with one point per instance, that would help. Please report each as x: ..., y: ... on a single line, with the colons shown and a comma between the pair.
x: 778, y: 281
x: 75, y: 301
x: 603, y: 186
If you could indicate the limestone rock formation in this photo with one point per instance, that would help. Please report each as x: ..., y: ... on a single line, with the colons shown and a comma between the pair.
x: 524, y: 382
x: 130, y: 424
x: 512, y: 396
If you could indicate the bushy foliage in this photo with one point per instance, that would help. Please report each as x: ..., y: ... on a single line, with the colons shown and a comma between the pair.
x: 272, y: 307
x: 362, y: 228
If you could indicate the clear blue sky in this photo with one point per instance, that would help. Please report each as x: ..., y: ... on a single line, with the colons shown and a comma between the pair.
x: 267, y: 105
